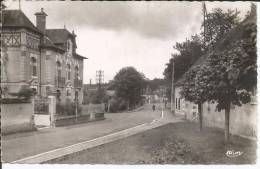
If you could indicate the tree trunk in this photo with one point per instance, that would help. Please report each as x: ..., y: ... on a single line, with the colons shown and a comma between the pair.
x: 200, y: 115
x: 227, y: 116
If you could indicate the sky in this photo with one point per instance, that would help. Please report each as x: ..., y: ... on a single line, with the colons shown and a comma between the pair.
x: 113, y: 35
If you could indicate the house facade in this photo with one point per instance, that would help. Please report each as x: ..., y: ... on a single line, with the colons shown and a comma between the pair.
x: 39, y: 58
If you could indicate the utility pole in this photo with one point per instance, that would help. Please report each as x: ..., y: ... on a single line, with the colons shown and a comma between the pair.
x: 19, y: 4
x: 99, y: 81
x: 206, y: 26
x: 173, y: 88
x: 99, y: 77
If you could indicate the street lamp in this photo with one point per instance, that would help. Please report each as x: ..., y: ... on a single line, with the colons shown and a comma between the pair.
x: 173, y: 87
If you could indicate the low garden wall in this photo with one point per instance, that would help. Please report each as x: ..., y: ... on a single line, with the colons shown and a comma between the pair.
x: 243, y: 120
x: 92, y: 108
x: 66, y: 114
x: 70, y: 120
x: 17, y: 117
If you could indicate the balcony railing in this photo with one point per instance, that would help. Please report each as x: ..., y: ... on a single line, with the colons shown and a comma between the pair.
x: 60, y: 81
x: 77, y: 83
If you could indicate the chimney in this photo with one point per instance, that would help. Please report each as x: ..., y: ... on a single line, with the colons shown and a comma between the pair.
x: 41, y: 20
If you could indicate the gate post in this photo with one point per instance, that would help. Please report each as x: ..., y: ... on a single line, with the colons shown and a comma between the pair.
x: 52, y: 109
x: 33, y: 114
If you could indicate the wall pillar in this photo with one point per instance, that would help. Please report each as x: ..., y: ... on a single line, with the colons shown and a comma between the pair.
x: 52, y: 109
x: 48, y: 68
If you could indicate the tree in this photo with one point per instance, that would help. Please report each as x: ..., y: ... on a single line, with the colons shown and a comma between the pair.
x: 98, y: 96
x: 194, y: 89
x: 155, y: 83
x: 217, y: 24
x: 231, y: 74
x: 189, y: 52
x: 128, y: 84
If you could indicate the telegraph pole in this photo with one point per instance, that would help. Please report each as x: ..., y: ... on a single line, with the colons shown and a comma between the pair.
x: 99, y: 81
x: 205, y: 26
x: 173, y: 88
x: 19, y: 4
x: 99, y: 77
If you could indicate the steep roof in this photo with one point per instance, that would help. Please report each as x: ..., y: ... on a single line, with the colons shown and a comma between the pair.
x: 79, y: 56
x: 58, y: 35
x: 16, y: 18
x: 48, y: 44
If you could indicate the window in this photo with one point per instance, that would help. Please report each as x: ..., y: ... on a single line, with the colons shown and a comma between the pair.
x: 176, y: 103
x: 77, y: 72
x: 68, y: 45
x: 179, y: 104
x: 58, y: 64
x: 33, y: 66
x: 68, y: 71
x: 58, y: 95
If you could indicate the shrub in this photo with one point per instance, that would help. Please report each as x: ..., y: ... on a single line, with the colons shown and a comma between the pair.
x: 68, y: 108
x: 25, y: 93
x: 122, y: 105
x: 117, y: 104
x: 113, y: 105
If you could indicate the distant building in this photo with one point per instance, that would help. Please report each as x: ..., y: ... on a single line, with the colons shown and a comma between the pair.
x: 43, y: 59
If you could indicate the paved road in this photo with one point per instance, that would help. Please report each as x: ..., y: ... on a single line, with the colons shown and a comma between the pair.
x: 18, y: 146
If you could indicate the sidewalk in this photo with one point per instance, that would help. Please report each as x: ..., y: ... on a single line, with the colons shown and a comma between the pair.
x: 22, y: 145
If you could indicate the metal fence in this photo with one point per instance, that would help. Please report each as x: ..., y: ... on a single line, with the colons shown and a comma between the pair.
x: 41, y: 106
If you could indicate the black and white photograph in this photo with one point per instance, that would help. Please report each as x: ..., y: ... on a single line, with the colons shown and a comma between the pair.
x: 141, y: 83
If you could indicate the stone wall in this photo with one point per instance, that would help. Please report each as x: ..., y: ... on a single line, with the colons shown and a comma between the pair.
x: 17, y: 117
x: 243, y: 120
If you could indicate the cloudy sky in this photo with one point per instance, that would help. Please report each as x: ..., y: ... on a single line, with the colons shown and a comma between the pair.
x: 118, y: 34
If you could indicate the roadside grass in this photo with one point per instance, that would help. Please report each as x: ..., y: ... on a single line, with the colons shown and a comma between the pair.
x: 175, y: 143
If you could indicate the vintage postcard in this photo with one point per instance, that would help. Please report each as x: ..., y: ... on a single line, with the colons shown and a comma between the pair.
x: 128, y: 82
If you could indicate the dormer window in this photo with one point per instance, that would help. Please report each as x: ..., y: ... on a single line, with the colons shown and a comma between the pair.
x: 68, y: 46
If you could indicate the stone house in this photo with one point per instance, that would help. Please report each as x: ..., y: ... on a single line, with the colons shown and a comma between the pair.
x: 243, y: 120
x: 42, y: 59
